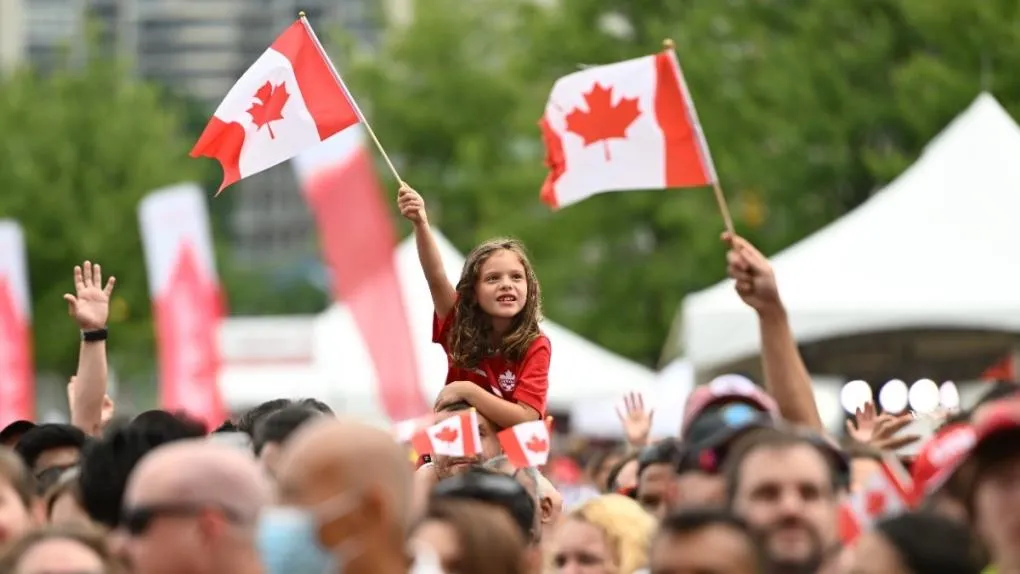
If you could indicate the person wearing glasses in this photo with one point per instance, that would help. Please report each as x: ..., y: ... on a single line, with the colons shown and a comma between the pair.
x: 191, y: 507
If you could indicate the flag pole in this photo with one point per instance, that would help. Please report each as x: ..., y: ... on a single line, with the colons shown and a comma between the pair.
x: 720, y: 199
x: 350, y: 98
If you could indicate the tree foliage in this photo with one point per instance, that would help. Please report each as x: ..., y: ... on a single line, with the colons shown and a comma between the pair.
x: 80, y: 148
x: 809, y: 107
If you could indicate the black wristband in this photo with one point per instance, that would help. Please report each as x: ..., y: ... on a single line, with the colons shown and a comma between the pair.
x: 94, y: 335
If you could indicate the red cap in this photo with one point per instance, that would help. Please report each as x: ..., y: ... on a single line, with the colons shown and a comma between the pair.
x: 997, y: 416
x: 723, y: 389
x: 939, y: 458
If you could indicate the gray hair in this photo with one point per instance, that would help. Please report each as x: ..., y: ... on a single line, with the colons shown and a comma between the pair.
x: 502, y: 464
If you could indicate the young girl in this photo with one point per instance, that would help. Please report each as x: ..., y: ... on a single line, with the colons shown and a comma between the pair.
x: 488, y: 325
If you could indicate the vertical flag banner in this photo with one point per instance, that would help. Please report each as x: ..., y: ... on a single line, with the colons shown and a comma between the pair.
x: 623, y: 126
x: 286, y: 102
x: 358, y: 240
x: 17, y: 385
x: 186, y: 300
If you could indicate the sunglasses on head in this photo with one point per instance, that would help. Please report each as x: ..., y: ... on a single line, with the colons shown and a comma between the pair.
x: 137, y: 520
x: 494, y: 483
x: 47, y: 477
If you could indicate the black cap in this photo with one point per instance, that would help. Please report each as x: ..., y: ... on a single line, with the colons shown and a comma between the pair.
x: 710, y: 437
x: 16, y: 429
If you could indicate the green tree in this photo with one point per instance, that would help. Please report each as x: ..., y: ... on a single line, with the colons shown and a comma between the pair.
x: 809, y: 107
x: 80, y: 148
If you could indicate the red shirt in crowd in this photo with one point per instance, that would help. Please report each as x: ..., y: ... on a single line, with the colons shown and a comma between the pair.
x: 525, y: 381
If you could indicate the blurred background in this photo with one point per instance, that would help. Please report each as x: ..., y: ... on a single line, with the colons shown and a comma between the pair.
x: 810, y: 108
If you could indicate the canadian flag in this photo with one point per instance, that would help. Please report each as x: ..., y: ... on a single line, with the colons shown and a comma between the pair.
x: 455, y: 436
x: 187, y: 300
x: 289, y: 100
x: 17, y: 386
x: 358, y: 239
x: 623, y: 126
x: 526, y: 444
x: 404, y: 431
x: 886, y: 493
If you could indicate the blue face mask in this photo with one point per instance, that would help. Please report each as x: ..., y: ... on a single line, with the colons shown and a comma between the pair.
x: 288, y: 543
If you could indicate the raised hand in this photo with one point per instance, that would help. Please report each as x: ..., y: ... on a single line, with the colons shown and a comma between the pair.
x: 756, y: 283
x: 90, y: 304
x: 636, y: 421
x: 411, y: 205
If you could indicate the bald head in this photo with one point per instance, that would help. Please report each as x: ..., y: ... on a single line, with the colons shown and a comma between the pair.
x: 333, y: 456
x: 200, y: 472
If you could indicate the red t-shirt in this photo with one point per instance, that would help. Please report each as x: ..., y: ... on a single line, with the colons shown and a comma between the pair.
x: 525, y: 381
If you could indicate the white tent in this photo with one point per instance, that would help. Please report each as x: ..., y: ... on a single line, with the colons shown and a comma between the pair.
x: 932, y: 251
x: 580, y: 370
x: 666, y: 397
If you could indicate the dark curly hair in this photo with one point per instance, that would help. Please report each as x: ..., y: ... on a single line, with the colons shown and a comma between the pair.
x: 472, y: 327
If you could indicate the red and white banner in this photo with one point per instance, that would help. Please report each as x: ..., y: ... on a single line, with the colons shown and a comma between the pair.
x: 623, y: 126
x: 289, y: 100
x: 186, y: 299
x: 17, y: 385
x: 358, y: 238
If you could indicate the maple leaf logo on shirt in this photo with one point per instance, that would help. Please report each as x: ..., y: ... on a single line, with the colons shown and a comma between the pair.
x: 603, y: 120
x: 269, y: 107
x: 536, y: 445
x: 447, y: 435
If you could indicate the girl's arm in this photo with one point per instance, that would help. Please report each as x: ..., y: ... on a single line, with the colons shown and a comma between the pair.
x: 497, y: 410
x: 412, y: 206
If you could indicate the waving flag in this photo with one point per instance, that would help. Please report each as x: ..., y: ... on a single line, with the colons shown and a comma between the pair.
x: 623, y: 126
x: 455, y: 436
x: 289, y: 100
x: 526, y: 444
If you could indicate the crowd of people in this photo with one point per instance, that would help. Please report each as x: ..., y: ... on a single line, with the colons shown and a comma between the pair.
x: 751, y: 483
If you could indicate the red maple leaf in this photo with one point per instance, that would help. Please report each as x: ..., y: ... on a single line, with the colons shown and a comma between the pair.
x: 269, y: 107
x: 447, y: 435
x: 875, y: 503
x: 536, y: 445
x: 603, y: 120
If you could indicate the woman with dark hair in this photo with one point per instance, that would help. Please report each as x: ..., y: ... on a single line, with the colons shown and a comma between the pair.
x: 471, y: 537
x: 916, y: 543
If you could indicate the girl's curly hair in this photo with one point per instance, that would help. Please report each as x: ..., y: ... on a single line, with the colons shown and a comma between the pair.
x: 472, y: 327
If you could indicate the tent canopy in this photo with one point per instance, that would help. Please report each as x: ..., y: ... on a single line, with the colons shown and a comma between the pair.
x: 580, y: 370
x: 916, y: 277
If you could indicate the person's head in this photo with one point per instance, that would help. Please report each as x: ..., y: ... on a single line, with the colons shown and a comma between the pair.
x: 469, y: 536
x: 62, y: 502
x: 784, y: 485
x: 494, y: 488
x: 447, y: 466
x: 497, y: 295
x: 622, y: 477
x: 723, y: 391
x: 179, y: 424
x: 344, y: 500
x: 59, y: 549
x: 17, y: 495
x: 608, y: 534
x: 274, y: 429
x: 994, y: 468
x: 191, y: 506
x: 12, y: 433
x: 656, y: 473
x: 599, y: 467
x: 247, y: 421
x: 704, y: 540
x: 51, y: 446
x: 916, y: 543
x: 107, y: 463
x: 548, y: 502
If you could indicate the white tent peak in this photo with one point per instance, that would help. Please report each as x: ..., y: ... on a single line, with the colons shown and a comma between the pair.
x: 917, y: 254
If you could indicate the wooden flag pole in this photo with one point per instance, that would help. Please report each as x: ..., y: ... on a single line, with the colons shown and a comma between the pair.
x: 720, y: 199
x: 350, y: 99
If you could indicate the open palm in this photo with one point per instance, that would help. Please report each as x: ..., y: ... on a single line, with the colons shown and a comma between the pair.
x: 90, y: 304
